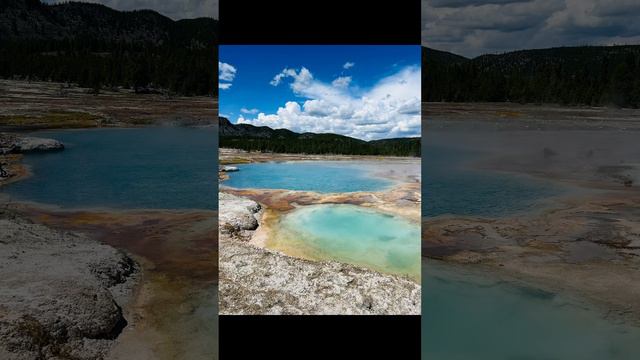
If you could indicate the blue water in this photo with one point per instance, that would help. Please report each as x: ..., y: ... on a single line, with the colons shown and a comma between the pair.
x: 351, y: 234
x: 469, y: 316
x: 317, y: 176
x: 452, y: 186
x: 158, y: 168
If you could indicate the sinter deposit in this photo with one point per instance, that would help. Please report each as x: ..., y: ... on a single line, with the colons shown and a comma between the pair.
x: 255, y: 280
x: 71, y: 307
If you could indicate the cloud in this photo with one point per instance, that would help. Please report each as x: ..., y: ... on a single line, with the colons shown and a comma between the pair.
x: 463, y: 3
x: 348, y: 65
x: 304, y: 85
x: 249, y: 111
x: 475, y: 27
x: 283, y: 74
x: 342, y: 81
x: 182, y: 9
x: 226, y: 72
x: 390, y: 108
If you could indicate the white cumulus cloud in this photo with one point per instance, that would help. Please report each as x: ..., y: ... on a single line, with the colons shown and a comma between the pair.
x: 249, y: 111
x: 348, y: 65
x: 226, y: 72
x: 342, y: 81
x: 390, y: 108
x: 283, y: 74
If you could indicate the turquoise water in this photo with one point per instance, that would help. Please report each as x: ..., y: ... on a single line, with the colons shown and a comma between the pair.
x: 351, y: 234
x: 468, y: 316
x: 162, y: 168
x: 318, y: 176
x: 451, y: 186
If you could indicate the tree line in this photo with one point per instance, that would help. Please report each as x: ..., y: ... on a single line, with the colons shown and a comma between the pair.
x: 98, y: 47
x: 588, y: 75
x: 325, y: 144
x: 99, y: 64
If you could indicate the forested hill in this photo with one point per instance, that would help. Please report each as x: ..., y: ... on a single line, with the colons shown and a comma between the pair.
x: 96, y: 46
x: 587, y: 75
x: 262, y: 138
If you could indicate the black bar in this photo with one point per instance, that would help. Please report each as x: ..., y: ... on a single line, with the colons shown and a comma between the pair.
x: 319, y: 22
x: 320, y: 337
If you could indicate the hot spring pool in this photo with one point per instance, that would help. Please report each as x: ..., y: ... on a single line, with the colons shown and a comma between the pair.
x: 141, y: 168
x: 318, y: 176
x: 467, y: 314
x: 351, y: 234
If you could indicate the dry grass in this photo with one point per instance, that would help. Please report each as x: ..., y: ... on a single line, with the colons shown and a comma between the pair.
x: 509, y: 114
x: 51, y: 120
x: 234, y: 160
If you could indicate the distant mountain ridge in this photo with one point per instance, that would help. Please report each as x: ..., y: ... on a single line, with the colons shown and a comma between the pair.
x: 584, y: 75
x: 31, y: 19
x: 429, y: 54
x: 228, y: 129
x: 263, y: 138
x: 96, y: 46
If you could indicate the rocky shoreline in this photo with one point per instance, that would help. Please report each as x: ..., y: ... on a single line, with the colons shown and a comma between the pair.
x: 402, y: 199
x: 589, y: 247
x: 170, y: 308
x: 12, y: 143
x: 256, y: 280
x: 12, y: 148
x: 72, y: 306
x: 173, y: 311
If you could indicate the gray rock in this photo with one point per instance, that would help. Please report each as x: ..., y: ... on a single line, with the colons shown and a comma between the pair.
x: 239, y: 213
x: 31, y: 144
x: 11, y: 143
x: 61, y: 293
x: 229, y: 169
x: 258, y: 281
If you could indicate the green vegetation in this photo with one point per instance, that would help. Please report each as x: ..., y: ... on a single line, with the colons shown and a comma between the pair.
x: 325, y: 144
x: 98, y: 64
x: 97, y: 47
x: 588, y: 75
x: 264, y: 139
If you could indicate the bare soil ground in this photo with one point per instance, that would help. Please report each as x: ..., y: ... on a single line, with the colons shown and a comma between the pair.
x: 44, y: 105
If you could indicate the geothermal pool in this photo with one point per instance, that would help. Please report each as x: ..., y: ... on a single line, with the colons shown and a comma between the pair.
x: 317, y: 176
x: 451, y: 187
x: 350, y: 234
x: 470, y: 315
x: 156, y: 168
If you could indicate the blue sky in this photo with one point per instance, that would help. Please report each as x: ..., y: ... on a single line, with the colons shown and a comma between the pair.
x: 368, y: 92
